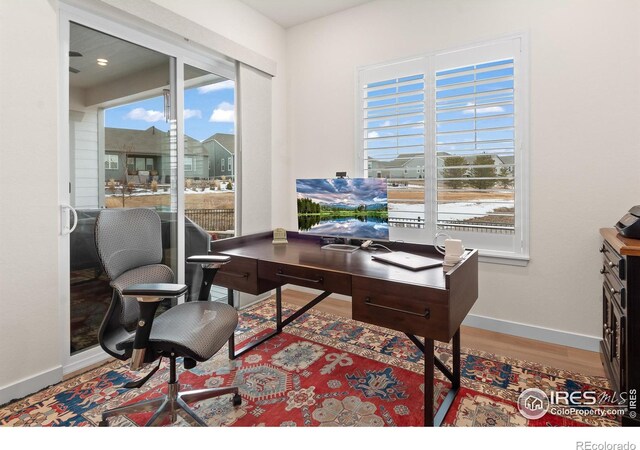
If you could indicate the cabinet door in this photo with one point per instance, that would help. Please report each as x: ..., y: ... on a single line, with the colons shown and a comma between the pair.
x: 607, y: 306
x: 617, y: 343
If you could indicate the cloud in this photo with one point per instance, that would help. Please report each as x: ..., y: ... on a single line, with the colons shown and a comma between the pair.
x: 373, y: 134
x: 486, y: 109
x: 148, y: 115
x: 224, y: 112
x: 216, y: 87
x: 189, y: 113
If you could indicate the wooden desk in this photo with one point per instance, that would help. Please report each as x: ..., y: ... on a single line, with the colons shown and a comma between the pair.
x: 429, y: 303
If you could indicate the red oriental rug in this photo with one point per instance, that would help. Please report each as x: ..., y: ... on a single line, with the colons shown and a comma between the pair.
x: 323, y: 370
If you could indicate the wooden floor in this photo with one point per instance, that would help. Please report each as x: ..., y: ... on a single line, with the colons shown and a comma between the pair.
x: 553, y: 355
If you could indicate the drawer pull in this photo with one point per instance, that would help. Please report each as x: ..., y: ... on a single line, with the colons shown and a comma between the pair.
x: 426, y: 314
x: 603, y: 249
x: 603, y: 271
x: 611, y: 264
x: 613, y: 291
x: 234, y: 274
x: 308, y: 280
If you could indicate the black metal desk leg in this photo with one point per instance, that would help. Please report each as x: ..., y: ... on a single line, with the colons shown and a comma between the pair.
x: 455, y: 383
x: 279, y: 309
x: 428, y: 382
x: 232, y: 341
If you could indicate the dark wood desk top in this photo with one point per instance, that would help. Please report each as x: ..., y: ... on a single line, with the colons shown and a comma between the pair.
x: 304, y: 251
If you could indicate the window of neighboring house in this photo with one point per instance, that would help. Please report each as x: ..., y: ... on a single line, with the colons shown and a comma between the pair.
x: 136, y: 163
x: 188, y: 164
x: 230, y: 164
x: 222, y: 165
x: 461, y: 115
x: 111, y: 162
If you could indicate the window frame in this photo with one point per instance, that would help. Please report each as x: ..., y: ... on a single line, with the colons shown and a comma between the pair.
x: 188, y: 163
x: 501, y: 249
x: 110, y: 159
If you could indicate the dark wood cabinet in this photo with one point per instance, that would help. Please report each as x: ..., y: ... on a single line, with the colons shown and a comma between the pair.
x: 620, y: 345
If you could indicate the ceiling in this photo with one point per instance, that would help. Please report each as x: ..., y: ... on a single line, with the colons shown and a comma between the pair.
x: 289, y: 13
x: 124, y: 58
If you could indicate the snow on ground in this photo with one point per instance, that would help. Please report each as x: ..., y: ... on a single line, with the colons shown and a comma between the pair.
x: 448, y: 211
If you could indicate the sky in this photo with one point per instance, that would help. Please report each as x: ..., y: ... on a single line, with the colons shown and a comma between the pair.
x: 344, y: 191
x: 207, y: 110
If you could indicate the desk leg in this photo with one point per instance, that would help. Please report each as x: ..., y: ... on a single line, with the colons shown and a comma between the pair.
x: 279, y: 309
x: 428, y: 382
x: 232, y: 340
x: 455, y: 382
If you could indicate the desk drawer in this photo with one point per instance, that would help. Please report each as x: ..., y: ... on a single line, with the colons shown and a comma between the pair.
x: 616, y: 290
x: 240, y: 274
x: 323, y: 280
x: 612, y: 261
x: 411, y: 309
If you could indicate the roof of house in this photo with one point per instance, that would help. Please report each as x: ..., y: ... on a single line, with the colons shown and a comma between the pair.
x: 396, y: 162
x: 227, y: 141
x: 151, y: 141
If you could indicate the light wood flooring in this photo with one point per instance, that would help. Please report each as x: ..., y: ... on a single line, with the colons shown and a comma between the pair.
x: 553, y: 355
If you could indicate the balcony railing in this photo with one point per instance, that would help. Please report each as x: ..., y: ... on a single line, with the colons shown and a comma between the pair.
x: 217, y: 220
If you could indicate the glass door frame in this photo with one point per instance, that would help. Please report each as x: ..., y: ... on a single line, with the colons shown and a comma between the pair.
x: 181, y: 55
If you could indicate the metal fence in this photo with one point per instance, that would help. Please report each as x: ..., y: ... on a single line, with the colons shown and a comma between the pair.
x: 213, y: 219
x: 496, y: 228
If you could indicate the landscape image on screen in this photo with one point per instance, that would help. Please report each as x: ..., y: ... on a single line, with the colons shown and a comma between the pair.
x: 343, y: 207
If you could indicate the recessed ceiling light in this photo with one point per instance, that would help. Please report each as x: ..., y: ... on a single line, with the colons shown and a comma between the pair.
x: 102, y: 62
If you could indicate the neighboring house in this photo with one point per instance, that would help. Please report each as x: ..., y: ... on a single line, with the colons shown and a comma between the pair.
x: 221, y: 151
x: 498, y: 160
x: 410, y: 165
x: 128, y: 151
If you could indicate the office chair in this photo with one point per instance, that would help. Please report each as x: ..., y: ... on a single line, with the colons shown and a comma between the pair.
x: 129, y: 245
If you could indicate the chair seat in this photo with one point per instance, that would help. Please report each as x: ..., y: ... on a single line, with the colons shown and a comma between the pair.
x: 195, y: 330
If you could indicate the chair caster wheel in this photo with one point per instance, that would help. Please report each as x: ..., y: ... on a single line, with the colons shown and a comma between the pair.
x: 237, y: 400
x: 103, y: 423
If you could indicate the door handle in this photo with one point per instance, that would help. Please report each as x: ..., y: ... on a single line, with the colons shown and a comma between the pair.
x: 65, y: 227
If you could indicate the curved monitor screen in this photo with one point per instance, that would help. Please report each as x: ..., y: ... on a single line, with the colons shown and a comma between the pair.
x: 343, y: 207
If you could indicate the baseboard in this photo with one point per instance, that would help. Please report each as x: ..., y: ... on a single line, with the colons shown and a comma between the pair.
x: 575, y: 340
x: 87, y: 358
x: 30, y: 385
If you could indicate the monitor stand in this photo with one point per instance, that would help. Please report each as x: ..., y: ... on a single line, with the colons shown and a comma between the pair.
x: 340, y: 248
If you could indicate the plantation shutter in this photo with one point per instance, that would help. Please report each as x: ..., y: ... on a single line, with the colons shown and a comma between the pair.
x: 475, y: 140
x: 393, y: 118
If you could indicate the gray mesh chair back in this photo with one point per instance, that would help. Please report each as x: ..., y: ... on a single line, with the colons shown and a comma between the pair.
x: 132, y: 239
x: 129, y: 246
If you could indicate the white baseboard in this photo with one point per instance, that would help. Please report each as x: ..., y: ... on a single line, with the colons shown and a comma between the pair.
x: 30, y: 385
x: 575, y: 340
x: 86, y: 359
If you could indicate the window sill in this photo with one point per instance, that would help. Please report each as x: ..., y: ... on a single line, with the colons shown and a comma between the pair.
x: 508, y: 260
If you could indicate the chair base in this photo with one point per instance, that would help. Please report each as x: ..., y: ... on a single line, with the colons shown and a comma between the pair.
x: 171, y: 404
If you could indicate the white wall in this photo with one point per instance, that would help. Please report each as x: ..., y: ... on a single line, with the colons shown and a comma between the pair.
x: 29, y: 325
x: 585, y: 139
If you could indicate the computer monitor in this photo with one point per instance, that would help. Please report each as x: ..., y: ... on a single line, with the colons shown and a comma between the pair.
x: 353, y: 208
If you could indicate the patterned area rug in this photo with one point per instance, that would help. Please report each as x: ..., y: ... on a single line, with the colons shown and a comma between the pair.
x: 322, y: 371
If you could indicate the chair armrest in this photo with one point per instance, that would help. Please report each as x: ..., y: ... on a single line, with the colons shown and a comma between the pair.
x: 210, y: 261
x: 154, y: 292
x: 149, y: 296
